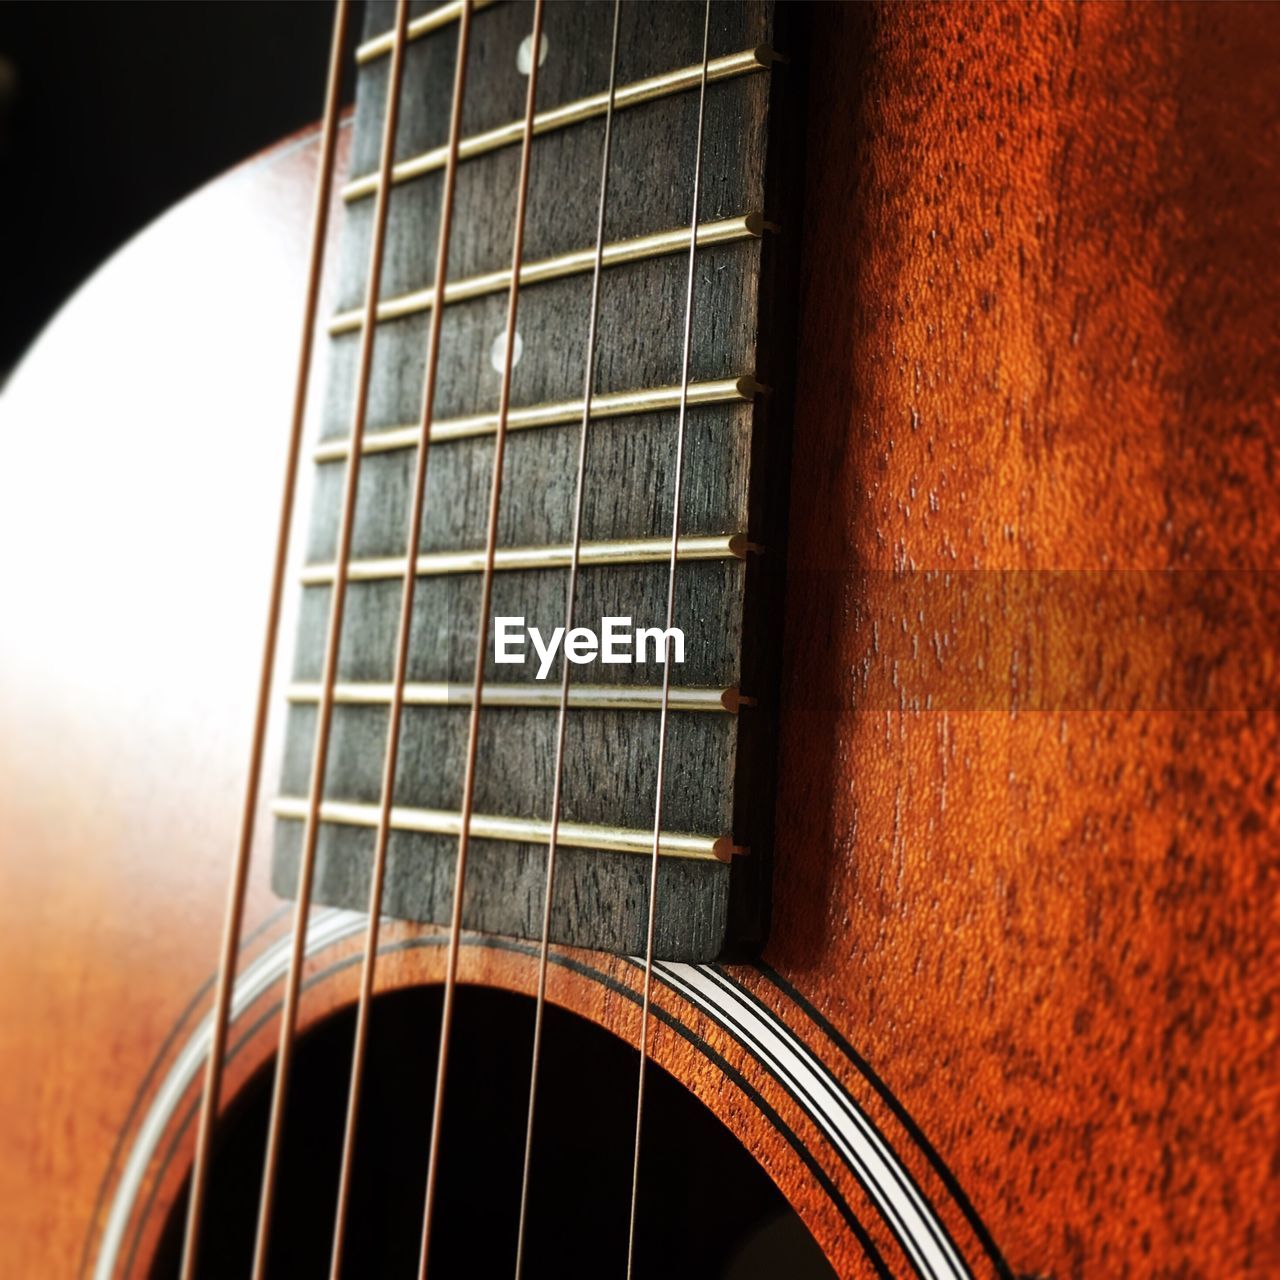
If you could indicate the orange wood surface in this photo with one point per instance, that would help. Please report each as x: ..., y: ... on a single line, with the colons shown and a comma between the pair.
x: 1037, y: 335
x: 1035, y: 888
x: 144, y: 440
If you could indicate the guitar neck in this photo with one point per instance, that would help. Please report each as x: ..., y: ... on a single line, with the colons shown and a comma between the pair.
x: 725, y: 409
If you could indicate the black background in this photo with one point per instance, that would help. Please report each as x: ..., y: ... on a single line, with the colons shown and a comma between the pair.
x: 112, y: 112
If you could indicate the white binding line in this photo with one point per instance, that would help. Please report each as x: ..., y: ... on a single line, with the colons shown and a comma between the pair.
x: 887, y: 1182
x: 326, y: 927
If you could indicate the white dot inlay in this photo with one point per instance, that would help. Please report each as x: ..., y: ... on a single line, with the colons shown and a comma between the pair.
x: 498, y: 352
x: 524, y: 59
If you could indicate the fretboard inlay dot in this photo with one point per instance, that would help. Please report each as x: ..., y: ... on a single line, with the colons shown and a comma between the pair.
x: 714, y: 735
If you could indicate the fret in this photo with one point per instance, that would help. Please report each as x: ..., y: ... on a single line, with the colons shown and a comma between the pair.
x: 505, y: 883
x: 733, y: 546
x: 546, y: 459
x: 546, y: 372
x: 562, y: 218
x: 612, y: 404
x: 725, y: 548
x: 654, y: 39
x: 445, y: 621
x: 440, y: 693
x: 424, y: 25
x: 575, y: 835
x: 725, y: 231
x: 650, y: 89
x: 515, y: 770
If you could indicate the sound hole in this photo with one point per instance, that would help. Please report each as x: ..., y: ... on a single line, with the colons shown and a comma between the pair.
x: 705, y: 1209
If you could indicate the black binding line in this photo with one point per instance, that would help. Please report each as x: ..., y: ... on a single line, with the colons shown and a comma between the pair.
x: 901, y: 1114
x: 801, y: 1095
x: 144, y: 1086
x: 845, y: 1210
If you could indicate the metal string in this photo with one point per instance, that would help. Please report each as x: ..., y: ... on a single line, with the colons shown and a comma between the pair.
x: 486, y: 594
x: 311, y: 830
x: 234, y: 914
x: 565, y: 665
x: 666, y: 666
x: 391, y: 755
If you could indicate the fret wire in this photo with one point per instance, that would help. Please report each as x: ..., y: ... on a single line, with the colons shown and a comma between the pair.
x: 650, y: 925
x: 516, y: 830
x: 747, y: 226
x: 333, y: 633
x: 733, y: 546
x: 444, y: 693
x: 668, y: 83
x: 486, y: 598
x: 613, y: 404
x: 423, y: 25
x: 397, y: 692
x: 562, y: 716
x: 234, y: 912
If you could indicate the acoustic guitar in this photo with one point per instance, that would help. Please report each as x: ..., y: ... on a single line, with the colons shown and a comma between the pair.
x: 655, y: 655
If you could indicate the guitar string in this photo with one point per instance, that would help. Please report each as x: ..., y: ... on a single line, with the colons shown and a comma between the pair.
x: 565, y: 665
x: 404, y: 630
x: 233, y: 919
x: 666, y: 666
x: 324, y: 714
x: 482, y: 630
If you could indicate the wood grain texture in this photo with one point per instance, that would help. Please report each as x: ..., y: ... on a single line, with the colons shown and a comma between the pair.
x: 1036, y: 950
x: 1038, y: 336
x: 610, y: 762
x: 128, y: 662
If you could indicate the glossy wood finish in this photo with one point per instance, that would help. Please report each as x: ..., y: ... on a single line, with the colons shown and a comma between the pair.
x: 1032, y: 941
x: 136, y: 556
x: 1038, y: 334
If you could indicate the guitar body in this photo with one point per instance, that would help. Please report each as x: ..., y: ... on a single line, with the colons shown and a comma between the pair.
x: 1015, y: 1011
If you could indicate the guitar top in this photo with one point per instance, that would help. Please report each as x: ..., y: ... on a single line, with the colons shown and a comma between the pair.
x: 762, y: 755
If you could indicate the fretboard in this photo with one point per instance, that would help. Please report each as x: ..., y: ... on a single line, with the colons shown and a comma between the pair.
x: 716, y: 809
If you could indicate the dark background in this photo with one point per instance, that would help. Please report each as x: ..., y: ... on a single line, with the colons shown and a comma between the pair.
x: 112, y: 112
